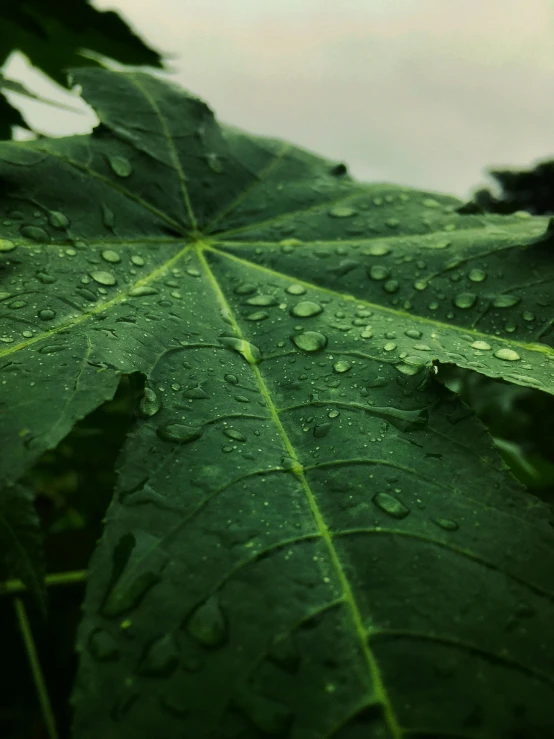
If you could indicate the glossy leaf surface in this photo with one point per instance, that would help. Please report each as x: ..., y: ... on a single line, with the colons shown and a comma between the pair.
x: 310, y: 537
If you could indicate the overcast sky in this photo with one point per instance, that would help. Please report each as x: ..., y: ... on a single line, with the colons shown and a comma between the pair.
x: 426, y: 93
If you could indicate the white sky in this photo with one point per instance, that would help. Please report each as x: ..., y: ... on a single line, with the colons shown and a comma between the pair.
x: 426, y: 93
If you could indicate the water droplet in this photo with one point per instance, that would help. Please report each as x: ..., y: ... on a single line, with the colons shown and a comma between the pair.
x: 283, y: 651
x: 420, y: 285
x: 267, y: 716
x: 207, y: 624
x: 160, y: 658
x: 505, y: 301
x: 17, y: 304
x: 391, y: 286
x: 109, y: 255
x: 35, y: 233
x: 195, y: 393
x: 103, y: 646
x: 120, y: 165
x: 142, y: 290
x: 45, y: 278
x: 391, y: 505
x: 321, y: 430
x: 46, y: 314
x: 342, y: 211
x: 246, y: 288
x: 262, y: 301
x: 235, y: 435
x: 509, y: 355
x: 341, y: 366
x: 528, y: 316
x: 52, y: 348
x: 309, y: 341
x: 477, y: 275
x: 389, y: 346
x: 333, y: 413
x: 137, y: 261
x: 179, y: 432
x: 306, y: 309
x: 213, y: 162
x: 446, y: 524
x: 289, y: 243
x: 430, y: 203
x: 378, y: 272
x: 57, y: 219
x: 259, y: 315
x: 412, y: 333
x: 481, y: 345
x: 150, y: 404
x: 231, y: 379
x: 295, y: 289
x: 411, y: 365
x: 103, y: 278
x: 465, y: 300
x: 6, y: 245
x: 377, y: 250
x: 249, y: 351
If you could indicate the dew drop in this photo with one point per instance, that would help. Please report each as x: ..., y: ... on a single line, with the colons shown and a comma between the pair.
x: 6, y: 245
x: 465, y: 300
x: 446, y: 524
x: 391, y: 286
x: 310, y: 341
x: 195, y: 393
x: 150, y: 404
x: 246, y: 288
x: 57, y: 219
x: 207, y: 624
x: 509, y: 355
x: 477, y: 275
x: 505, y: 301
x: 179, y: 432
x: 109, y: 255
x: 390, y: 505
x: 341, y: 366
x: 160, y: 658
x: 377, y: 250
x: 262, y: 300
x: 481, y: 345
x: 390, y: 346
x: 259, y: 315
x: 420, y: 285
x: 306, y: 309
x: 295, y: 289
x: 35, y: 233
x: 103, y: 278
x: 341, y: 211
x: 235, y: 435
x: 46, y: 314
x: 137, y: 261
x: 378, y: 272
x: 143, y: 290
x: 412, y: 333
x: 528, y: 316
x: 231, y: 379
x: 249, y: 351
x: 45, y: 278
x: 120, y: 165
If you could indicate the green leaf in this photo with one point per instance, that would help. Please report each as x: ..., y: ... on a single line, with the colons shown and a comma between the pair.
x: 310, y: 536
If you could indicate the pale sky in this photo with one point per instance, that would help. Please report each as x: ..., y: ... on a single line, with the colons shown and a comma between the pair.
x: 425, y: 93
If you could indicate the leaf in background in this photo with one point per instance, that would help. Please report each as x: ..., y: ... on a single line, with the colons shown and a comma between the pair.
x: 56, y: 35
x: 310, y: 535
x: 21, y: 541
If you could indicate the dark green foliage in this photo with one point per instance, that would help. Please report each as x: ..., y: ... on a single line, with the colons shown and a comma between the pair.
x: 57, y: 34
x: 309, y: 535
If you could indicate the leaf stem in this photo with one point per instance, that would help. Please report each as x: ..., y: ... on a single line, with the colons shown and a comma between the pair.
x: 38, y: 677
x: 57, y: 578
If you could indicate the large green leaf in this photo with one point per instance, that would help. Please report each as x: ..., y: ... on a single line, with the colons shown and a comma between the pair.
x: 310, y: 537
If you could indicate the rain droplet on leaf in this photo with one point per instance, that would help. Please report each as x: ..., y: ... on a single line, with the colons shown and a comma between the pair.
x: 35, y: 233
x: 179, y: 432
x: 149, y: 404
x: 310, y: 341
x: 262, y: 300
x: 477, y: 275
x: 6, y: 245
x: 505, y: 301
x: 143, y: 290
x: 120, y: 165
x: 342, y: 211
x: 378, y: 272
x: 306, y: 309
x: 295, y: 289
x: 207, y: 624
x: 109, y: 255
x: 390, y: 505
x: 103, y: 278
x: 509, y: 355
x: 465, y: 300
x: 250, y: 352
x: 482, y: 345
x: 341, y: 366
